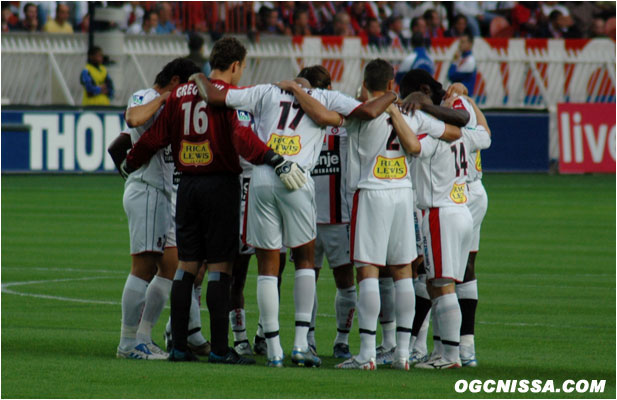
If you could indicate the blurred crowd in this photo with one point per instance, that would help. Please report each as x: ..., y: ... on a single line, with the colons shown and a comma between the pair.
x: 381, y: 23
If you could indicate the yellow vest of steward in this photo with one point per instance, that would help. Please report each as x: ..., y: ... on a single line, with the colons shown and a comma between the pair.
x: 98, y: 76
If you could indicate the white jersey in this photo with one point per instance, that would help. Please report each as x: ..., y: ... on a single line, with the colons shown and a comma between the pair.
x: 376, y: 159
x: 281, y: 123
x: 158, y: 172
x: 442, y: 168
x: 330, y: 178
x: 475, y: 160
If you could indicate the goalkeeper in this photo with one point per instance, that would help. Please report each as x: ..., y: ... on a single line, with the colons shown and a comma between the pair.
x: 205, y: 143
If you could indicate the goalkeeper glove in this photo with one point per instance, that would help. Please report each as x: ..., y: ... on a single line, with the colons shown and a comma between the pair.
x: 291, y: 174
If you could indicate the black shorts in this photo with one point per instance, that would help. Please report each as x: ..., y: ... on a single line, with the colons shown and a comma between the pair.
x: 208, y: 218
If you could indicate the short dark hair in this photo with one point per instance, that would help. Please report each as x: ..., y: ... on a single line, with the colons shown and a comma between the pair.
x: 29, y: 5
x: 414, y: 22
x: 225, y: 52
x: 377, y: 74
x: 317, y: 75
x: 554, y: 15
x: 412, y: 81
x: 182, y: 67
x: 93, y: 50
x: 428, y: 14
x: 468, y: 35
x: 195, y: 41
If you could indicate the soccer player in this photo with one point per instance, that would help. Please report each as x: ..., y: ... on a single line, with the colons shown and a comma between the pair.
x: 419, y: 80
x: 333, y: 209
x: 147, y: 201
x: 440, y: 176
x: 205, y: 143
x: 467, y: 291
x: 271, y: 221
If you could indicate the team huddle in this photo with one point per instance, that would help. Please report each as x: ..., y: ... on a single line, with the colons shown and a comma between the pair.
x: 386, y: 187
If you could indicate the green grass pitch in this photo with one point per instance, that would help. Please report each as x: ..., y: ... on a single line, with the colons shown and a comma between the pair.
x: 546, y: 274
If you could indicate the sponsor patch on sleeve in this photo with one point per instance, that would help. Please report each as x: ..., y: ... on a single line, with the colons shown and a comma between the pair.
x: 137, y: 99
x: 390, y: 168
x: 244, y: 116
x: 457, y: 194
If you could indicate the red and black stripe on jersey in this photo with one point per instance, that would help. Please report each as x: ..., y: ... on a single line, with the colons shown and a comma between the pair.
x: 329, y: 164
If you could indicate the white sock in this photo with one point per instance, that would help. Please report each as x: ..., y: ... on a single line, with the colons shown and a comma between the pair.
x: 133, y: 299
x: 237, y: 319
x: 195, y: 337
x: 311, y: 333
x: 448, y: 314
x: 387, y: 315
x: 268, y: 302
x: 368, y: 312
x: 156, y: 298
x: 405, y: 308
x: 437, y: 346
x: 304, y: 297
x: 418, y: 344
x: 345, y: 305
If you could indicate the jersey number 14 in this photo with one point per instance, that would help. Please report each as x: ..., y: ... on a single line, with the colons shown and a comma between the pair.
x: 460, y: 159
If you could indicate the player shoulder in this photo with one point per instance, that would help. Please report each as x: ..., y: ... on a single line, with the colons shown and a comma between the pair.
x: 143, y: 96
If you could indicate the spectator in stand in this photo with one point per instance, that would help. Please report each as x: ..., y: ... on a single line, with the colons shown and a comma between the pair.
x: 418, y: 59
x: 396, y: 33
x: 341, y: 26
x: 547, y: 7
x: 525, y: 17
x: 98, y: 86
x: 301, y: 25
x: 324, y: 12
x: 433, y: 24
x: 8, y: 18
x: 418, y: 25
x: 585, y: 14
x: 459, y: 27
x: 373, y: 32
x: 30, y: 23
x: 59, y: 24
x: 598, y: 28
x: 286, y: 13
x: 359, y: 15
x: 147, y: 27
x: 556, y: 27
x: 463, y: 67
x: 196, y: 53
x: 84, y: 25
x: 134, y: 14
x: 269, y: 21
x: 166, y: 26
x: 470, y: 9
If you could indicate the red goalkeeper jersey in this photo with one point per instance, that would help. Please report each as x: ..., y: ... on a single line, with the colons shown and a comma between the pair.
x: 204, y: 139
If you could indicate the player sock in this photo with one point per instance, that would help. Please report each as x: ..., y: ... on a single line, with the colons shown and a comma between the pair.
x: 311, y: 333
x: 156, y: 297
x: 404, y: 306
x: 195, y: 337
x: 345, y: 305
x: 181, y: 294
x: 368, y: 312
x: 418, y: 342
x: 304, y: 297
x: 387, y: 315
x: 268, y: 302
x: 237, y: 319
x: 467, y: 293
x: 133, y: 298
x: 421, y: 319
x: 448, y: 314
x: 217, y: 298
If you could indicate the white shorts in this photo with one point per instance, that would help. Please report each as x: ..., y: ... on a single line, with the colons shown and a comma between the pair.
x: 333, y: 242
x: 382, y: 231
x: 277, y: 216
x: 447, y: 239
x: 477, y: 205
x: 148, y: 211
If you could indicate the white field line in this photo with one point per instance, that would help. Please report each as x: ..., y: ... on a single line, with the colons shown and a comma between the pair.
x: 5, y: 290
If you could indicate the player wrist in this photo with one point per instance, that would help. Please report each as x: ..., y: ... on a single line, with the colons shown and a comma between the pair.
x: 273, y: 159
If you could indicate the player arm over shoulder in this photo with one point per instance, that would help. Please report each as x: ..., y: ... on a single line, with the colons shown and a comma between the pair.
x: 479, y: 115
x: 418, y: 101
x: 406, y: 136
x: 449, y: 132
x: 208, y: 91
x: 311, y: 106
x: 139, y: 115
